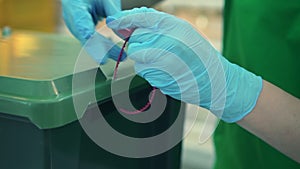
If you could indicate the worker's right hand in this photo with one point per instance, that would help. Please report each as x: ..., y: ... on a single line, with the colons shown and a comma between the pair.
x: 172, y: 56
x: 81, y: 16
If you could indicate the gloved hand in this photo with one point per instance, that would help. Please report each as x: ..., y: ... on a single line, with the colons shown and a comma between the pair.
x: 172, y: 56
x: 81, y: 16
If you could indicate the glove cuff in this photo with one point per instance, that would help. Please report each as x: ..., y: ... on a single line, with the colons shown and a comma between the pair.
x: 243, y: 90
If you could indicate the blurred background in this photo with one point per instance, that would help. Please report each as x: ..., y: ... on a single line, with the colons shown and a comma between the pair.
x: 206, y: 16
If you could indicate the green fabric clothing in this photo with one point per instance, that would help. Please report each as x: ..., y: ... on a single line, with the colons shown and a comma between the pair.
x: 262, y: 36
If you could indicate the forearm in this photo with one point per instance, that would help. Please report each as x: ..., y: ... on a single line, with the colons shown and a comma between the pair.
x: 276, y: 120
x: 160, y: 43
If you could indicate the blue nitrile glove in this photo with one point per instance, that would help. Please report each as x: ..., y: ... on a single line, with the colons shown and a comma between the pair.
x: 100, y: 49
x: 172, y: 56
x: 81, y: 17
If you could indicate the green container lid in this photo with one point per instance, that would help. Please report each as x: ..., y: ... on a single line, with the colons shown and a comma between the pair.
x: 36, y: 71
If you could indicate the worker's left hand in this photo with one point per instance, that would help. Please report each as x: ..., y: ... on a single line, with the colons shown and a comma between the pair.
x: 81, y: 16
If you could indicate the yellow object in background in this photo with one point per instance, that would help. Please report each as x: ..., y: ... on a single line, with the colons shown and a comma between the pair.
x: 38, y: 15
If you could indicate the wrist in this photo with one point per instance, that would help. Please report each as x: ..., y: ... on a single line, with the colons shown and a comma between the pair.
x: 242, y: 92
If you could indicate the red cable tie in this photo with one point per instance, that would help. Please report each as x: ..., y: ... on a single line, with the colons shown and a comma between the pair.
x: 115, y: 75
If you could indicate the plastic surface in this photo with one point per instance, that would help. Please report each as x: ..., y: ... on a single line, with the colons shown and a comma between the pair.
x: 38, y: 125
x: 36, y: 78
x: 69, y: 147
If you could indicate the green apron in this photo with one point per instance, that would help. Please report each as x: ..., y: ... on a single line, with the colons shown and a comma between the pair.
x: 262, y: 36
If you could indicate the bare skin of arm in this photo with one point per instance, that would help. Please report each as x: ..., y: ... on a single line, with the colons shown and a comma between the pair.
x: 276, y: 120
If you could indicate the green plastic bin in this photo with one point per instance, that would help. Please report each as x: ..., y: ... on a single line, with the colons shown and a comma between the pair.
x: 39, y: 128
